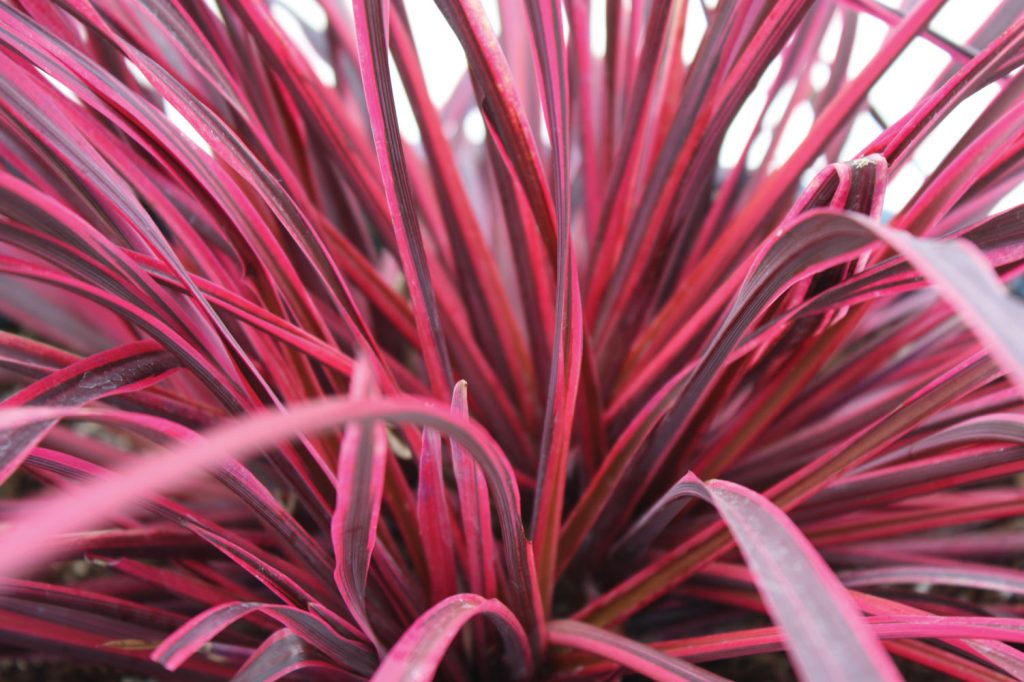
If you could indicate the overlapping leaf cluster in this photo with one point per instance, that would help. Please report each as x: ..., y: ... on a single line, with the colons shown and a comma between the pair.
x: 294, y: 392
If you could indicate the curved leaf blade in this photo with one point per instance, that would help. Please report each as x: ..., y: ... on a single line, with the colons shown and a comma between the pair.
x: 826, y: 635
x: 635, y: 656
x: 416, y: 656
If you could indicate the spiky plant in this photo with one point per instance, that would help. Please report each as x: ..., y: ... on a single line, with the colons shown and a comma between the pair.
x: 296, y: 391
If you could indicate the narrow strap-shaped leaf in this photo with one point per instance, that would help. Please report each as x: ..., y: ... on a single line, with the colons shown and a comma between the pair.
x: 650, y: 524
x: 87, y: 505
x: 804, y: 246
x: 290, y: 582
x: 751, y: 220
x: 626, y: 264
x: 858, y: 186
x: 567, y: 346
x: 960, y: 171
x: 77, y: 598
x: 898, y: 479
x: 486, y: 300
x: 435, y: 519
x: 286, y: 581
x: 416, y: 656
x: 770, y: 639
x: 652, y: 581
x: 478, y: 558
x: 629, y: 653
x: 826, y: 635
x: 1001, y: 655
x: 992, y: 312
x: 16, y: 350
x: 371, y: 36
x: 581, y: 77
x: 19, y: 196
x: 181, y: 644
x: 229, y: 147
x: 24, y: 630
x: 127, y: 368
x: 975, y: 577
x: 967, y: 282
x: 98, y: 178
x: 988, y: 63
x: 283, y: 653
x: 175, y: 582
x: 188, y: 639
x: 178, y: 28
x: 29, y: 360
x: 361, y: 466
x: 501, y: 108
x: 131, y: 368
x: 321, y: 636
x: 474, y: 508
x: 626, y: 157
x: 298, y: 542
x: 529, y: 256
x: 238, y: 307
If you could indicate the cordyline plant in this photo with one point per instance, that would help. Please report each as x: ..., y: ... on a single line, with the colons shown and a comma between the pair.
x: 288, y: 393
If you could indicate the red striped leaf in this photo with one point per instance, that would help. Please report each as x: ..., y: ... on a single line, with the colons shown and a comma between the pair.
x: 417, y: 655
x: 826, y: 636
x: 629, y: 653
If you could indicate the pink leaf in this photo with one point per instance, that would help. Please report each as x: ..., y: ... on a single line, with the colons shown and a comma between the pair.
x: 416, y: 656
x: 826, y: 635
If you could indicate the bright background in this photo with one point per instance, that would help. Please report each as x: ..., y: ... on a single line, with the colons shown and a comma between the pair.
x: 892, y: 97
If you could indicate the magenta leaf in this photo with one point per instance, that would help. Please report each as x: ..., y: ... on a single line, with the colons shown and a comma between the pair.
x: 371, y: 35
x: 418, y: 653
x: 967, y: 282
x: 362, y: 461
x: 474, y: 508
x: 435, y: 519
x: 164, y: 472
x: 124, y: 369
x: 826, y: 636
x: 282, y: 654
x: 253, y: 254
x: 627, y: 652
x: 197, y: 632
x: 568, y: 343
